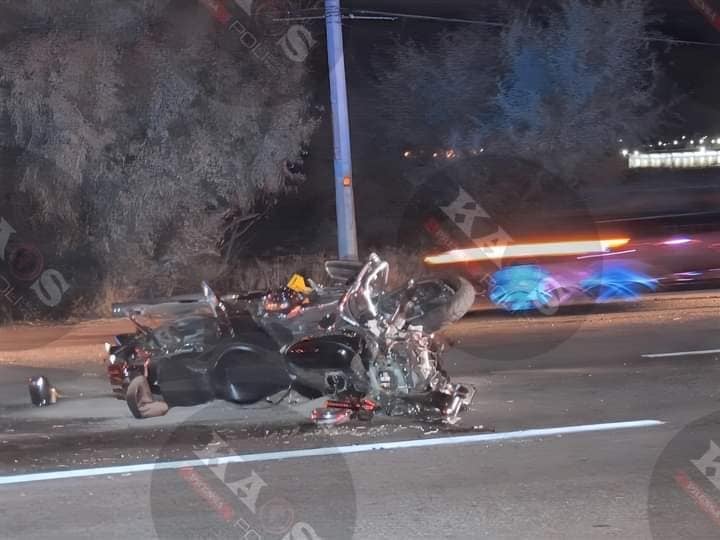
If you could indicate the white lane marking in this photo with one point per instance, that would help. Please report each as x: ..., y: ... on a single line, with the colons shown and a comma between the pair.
x: 327, y: 451
x: 681, y: 353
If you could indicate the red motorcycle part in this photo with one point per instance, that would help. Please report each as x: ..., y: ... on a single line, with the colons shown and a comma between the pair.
x: 330, y: 417
x: 337, y: 412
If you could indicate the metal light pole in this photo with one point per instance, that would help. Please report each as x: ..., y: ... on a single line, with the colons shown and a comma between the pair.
x: 344, y: 199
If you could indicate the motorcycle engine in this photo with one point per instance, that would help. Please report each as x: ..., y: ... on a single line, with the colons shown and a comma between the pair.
x: 410, y: 365
x: 386, y: 380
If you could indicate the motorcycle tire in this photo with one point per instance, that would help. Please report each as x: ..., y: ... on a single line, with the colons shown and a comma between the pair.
x: 133, y: 394
x: 439, y: 314
x: 140, y: 400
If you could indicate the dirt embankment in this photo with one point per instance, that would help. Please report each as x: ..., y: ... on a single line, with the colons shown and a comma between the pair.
x: 50, y: 345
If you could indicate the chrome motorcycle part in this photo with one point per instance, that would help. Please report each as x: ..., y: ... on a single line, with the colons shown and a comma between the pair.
x: 42, y: 393
x: 330, y: 417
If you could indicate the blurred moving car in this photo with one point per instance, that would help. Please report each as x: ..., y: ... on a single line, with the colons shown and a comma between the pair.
x: 622, y: 259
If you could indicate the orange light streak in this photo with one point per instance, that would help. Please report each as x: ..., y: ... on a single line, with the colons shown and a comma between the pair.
x: 523, y: 251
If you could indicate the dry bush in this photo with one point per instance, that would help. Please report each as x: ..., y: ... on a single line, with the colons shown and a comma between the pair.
x: 249, y: 274
x: 260, y: 273
x: 139, y: 125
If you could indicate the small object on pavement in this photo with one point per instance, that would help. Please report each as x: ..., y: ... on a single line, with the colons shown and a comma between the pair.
x: 42, y: 393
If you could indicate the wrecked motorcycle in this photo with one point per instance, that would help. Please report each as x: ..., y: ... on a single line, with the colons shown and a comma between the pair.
x: 294, y: 311
x: 278, y: 317
x: 371, y: 347
x: 375, y: 357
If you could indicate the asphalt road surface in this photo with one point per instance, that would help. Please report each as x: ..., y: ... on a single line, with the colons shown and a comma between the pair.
x: 596, y: 423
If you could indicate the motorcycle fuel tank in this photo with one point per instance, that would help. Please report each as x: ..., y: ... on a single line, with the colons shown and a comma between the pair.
x: 326, y: 363
x: 333, y: 352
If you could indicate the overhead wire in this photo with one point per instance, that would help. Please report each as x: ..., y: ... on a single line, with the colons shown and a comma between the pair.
x: 366, y: 14
x: 369, y: 14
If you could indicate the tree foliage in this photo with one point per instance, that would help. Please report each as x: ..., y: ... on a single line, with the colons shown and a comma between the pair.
x: 561, y: 88
x: 142, y: 123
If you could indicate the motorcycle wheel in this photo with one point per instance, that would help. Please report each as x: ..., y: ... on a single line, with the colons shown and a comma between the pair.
x: 133, y: 394
x: 443, y: 302
x: 140, y: 399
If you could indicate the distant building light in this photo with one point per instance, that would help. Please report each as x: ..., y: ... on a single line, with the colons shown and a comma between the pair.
x: 407, y: 154
x: 702, y: 158
x: 625, y: 152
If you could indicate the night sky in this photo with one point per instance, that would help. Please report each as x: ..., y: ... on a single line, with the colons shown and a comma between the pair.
x: 693, y: 71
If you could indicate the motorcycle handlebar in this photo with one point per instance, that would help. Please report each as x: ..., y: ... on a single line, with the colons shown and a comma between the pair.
x: 373, y: 270
x: 404, y: 305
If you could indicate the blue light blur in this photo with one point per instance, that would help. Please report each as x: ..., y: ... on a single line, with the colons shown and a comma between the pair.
x: 521, y: 288
x: 529, y: 287
x: 617, y: 282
